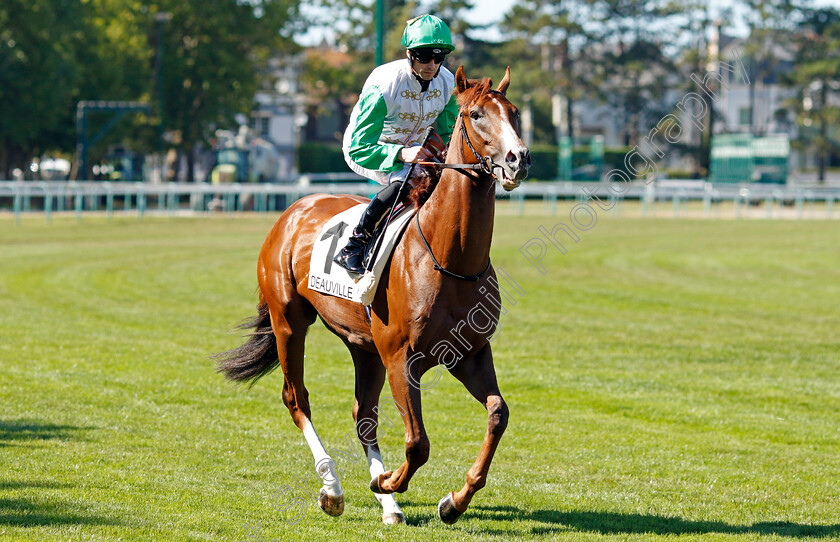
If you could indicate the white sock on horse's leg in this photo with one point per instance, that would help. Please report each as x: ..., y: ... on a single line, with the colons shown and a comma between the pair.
x: 389, y: 504
x: 324, y: 465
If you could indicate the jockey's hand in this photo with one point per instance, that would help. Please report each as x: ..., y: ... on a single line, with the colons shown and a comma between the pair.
x: 415, y: 154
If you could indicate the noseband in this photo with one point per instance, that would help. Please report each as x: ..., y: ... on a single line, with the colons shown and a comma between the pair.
x: 485, y: 163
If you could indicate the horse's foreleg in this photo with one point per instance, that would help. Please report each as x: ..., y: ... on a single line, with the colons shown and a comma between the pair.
x: 479, y: 377
x: 370, y: 377
x: 407, y: 400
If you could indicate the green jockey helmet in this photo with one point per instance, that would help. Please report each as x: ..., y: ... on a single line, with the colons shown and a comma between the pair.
x: 427, y: 31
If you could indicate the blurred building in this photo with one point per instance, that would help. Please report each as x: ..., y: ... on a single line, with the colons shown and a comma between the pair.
x: 279, y: 112
x: 751, y: 99
x: 756, y: 106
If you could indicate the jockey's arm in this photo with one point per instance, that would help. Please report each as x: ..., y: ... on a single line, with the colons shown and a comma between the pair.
x: 446, y: 120
x: 365, y: 148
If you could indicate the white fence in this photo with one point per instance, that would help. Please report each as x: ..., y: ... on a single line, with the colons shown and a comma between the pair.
x: 31, y: 197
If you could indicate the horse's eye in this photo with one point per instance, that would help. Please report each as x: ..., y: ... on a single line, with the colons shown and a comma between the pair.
x: 475, y: 115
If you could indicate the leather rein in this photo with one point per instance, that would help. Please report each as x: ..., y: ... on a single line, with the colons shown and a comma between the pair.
x: 486, y: 165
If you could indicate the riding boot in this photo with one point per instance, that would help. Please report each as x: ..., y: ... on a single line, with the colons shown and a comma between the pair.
x: 351, y: 257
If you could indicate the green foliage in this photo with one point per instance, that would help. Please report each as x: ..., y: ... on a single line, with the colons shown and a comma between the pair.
x: 210, y: 55
x: 543, y: 163
x: 614, y: 159
x: 680, y: 174
x: 817, y: 83
x: 320, y: 158
x: 631, y: 66
x: 336, y: 84
x: 54, y: 53
x: 58, y: 52
x: 541, y: 34
x: 38, y: 42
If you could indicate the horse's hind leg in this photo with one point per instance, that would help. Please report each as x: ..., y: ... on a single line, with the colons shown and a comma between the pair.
x: 370, y: 377
x: 479, y: 377
x: 289, y: 320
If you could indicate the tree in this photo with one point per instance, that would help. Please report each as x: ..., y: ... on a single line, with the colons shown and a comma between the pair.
x: 37, y: 75
x: 210, y: 59
x: 334, y: 80
x: 56, y: 53
x: 113, y: 55
x: 770, y: 25
x: 546, y: 39
x: 629, y: 64
x: 816, y: 79
x: 694, y: 23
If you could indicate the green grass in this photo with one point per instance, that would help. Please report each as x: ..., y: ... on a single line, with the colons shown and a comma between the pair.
x: 666, y: 379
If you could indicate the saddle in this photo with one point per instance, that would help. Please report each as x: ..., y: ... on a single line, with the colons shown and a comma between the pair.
x: 421, y: 182
x: 327, y: 277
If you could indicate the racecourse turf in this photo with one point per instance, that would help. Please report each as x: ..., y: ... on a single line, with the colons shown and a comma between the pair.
x: 667, y: 379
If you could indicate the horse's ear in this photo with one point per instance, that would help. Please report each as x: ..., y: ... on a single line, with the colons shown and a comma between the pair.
x: 503, y: 86
x: 461, y: 82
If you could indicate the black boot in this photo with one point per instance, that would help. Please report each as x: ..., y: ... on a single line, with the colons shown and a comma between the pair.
x: 352, y: 256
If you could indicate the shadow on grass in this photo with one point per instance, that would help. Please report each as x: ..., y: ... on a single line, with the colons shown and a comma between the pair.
x: 616, y: 523
x: 12, y: 432
x: 29, y: 513
x: 24, y: 484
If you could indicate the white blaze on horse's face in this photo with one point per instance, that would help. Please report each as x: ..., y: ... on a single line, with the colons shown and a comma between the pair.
x: 497, y: 123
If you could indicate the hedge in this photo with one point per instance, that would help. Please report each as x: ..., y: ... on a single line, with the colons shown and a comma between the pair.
x: 321, y: 158
x: 328, y: 158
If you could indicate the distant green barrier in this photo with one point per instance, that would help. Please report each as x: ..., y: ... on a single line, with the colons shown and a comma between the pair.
x: 328, y: 158
x: 544, y: 160
x: 321, y: 158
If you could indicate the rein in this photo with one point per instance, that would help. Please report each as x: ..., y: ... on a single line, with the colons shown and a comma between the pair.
x: 487, y: 165
x: 437, y: 265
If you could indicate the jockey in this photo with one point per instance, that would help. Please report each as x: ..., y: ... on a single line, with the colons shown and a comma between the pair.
x: 398, y: 102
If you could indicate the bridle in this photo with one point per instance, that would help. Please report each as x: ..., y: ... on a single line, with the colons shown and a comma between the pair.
x: 486, y: 165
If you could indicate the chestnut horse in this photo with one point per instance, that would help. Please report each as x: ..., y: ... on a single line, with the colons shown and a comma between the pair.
x: 421, y: 308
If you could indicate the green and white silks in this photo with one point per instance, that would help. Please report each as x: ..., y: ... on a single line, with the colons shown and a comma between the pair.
x: 393, y: 112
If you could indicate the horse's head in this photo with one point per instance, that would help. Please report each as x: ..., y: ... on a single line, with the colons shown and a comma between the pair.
x: 491, y: 126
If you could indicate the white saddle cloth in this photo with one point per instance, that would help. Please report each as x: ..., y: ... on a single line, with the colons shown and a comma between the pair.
x: 327, y: 277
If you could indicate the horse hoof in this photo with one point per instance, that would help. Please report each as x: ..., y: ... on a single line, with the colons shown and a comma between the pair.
x: 375, y: 485
x: 397, y: 518
x: 333, y: 506
x: 447, y: 511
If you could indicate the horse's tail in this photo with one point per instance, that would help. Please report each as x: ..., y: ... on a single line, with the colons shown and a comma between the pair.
x: 258, y: 356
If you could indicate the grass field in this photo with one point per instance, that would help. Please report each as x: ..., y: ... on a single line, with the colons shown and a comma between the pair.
x: 667, y: 379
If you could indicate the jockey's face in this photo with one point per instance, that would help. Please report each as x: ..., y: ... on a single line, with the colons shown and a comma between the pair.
x: 425, y: 70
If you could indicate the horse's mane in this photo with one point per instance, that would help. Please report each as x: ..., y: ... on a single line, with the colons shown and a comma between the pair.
x: 423, y: 182
x: 424, y: 179
x: 477, y: 88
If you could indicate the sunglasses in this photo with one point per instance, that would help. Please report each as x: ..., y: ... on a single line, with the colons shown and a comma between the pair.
x: 424, y: 57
